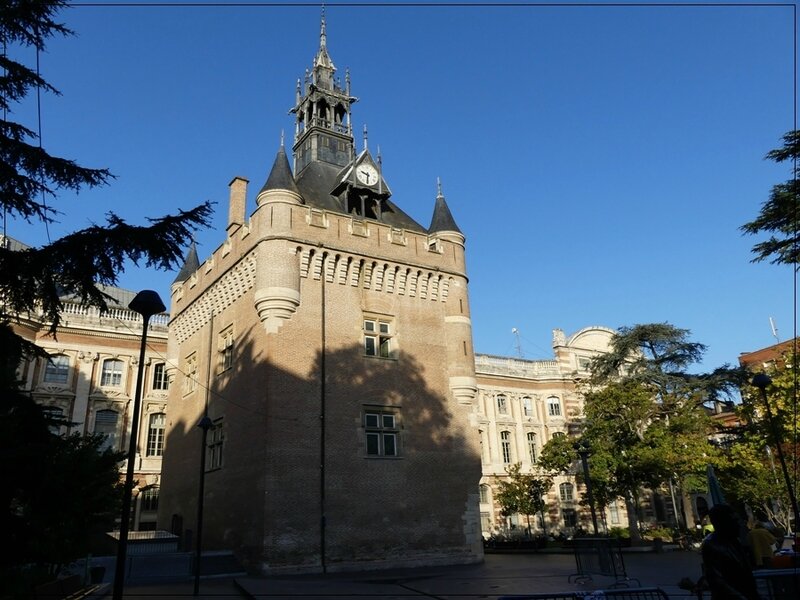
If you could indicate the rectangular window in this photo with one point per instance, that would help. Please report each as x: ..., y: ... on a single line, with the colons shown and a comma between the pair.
x: 150, y: 499
x: 614, y: 514
x: 190, y: 374
x: 553, y: 407
x: 105, y: 424
x: 527, y: 407
x: 505, y: 446
x: 111, y: 375
x: 532, y: 447
x: 57, y: 369
x: 215, y: 444
x: 570, y: 517
x: 155, y: 435
x: 381, y: 432
x: 502, y: 405
x: 378, y: 338
x: 584, y: 363
x: 160, y: 380
x: 226, y: 349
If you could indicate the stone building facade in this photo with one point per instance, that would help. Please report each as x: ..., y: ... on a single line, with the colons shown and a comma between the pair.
x: 90, y: 379
x: 522, y: 404
x: 328, y: 342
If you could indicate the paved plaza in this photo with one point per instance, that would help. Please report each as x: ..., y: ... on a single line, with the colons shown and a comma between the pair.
x: 498, y: 575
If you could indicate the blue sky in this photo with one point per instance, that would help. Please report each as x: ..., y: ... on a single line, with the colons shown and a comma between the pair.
x: 599, y: 159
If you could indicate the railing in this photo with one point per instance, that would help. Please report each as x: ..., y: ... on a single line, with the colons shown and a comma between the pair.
x: 600, y: 556
x: 113, y: 313
x: 499, y: 365
x: 320, y: 122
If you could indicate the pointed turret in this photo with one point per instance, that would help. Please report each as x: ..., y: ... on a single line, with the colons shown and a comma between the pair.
x: 442, y: 220
x: 323, y: 60
x: 190, y: 265
x: 280, y: 180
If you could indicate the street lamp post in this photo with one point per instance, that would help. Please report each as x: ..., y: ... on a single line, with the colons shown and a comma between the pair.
x: 147, y: 303
x: 583, y: 451
x: 762, y: 381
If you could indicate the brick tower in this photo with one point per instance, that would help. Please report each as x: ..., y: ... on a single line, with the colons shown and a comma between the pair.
x: 328, y: 341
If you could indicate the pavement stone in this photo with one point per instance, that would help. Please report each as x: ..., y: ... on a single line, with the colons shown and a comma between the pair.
x: 498, y: 575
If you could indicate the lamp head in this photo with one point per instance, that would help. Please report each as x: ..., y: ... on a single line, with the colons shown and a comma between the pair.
x: 762, y: 381
x: 147, y: 303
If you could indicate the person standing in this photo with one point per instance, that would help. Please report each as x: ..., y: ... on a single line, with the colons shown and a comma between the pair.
x: 726, y: 565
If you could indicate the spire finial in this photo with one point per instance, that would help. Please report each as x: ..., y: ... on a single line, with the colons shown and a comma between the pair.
x: 281, y: 138
x: 322, y: 37
x: 365, y: 136
x: 439, y: 188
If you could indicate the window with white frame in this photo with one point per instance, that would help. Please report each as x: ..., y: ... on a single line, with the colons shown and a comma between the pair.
x: 56, y: 369
x: 566, y: 492
x: 226, y: 349
x: 584, y: 363
x: 554, y: 406
x: 378, y: 337
x: 502, y: 405
x: 505, y: 446
x: 111, y: 374
x: 155, y: 434
x: 105, y: 424
x: 215, y: 445
x: 190, y: 374
x: 160, y: 379
x: 527, y: 407
x: 150, y: 499
x: 614, y: 511
x: 532, y: 447
x: 484, y: 493
x: 381, y: 432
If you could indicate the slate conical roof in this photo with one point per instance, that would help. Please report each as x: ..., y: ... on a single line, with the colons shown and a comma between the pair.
x: 442, y: 217
x: 190, y: 264
x: 280, y: 177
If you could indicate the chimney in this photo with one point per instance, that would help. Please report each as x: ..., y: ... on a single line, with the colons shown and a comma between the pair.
x: 238, y: 201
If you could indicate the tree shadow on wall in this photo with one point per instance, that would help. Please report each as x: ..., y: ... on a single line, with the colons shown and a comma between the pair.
x: 299, y: 485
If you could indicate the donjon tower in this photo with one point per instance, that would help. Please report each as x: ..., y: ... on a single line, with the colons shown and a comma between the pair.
x: 325, y: 348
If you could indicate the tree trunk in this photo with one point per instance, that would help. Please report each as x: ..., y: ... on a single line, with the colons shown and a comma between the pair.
x: 633, y: 520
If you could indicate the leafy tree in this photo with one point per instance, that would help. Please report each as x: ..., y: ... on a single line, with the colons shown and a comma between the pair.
x: 779, y: 215
x: 644, y: 411
x: 752, y: 472
x: 522, y: 493
x: 56, y: 489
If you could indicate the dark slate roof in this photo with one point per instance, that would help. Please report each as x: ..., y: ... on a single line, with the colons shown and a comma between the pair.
x: 442, y: 217
x: 280, y: 177
x: 318, y: 179
x: 190, y: 265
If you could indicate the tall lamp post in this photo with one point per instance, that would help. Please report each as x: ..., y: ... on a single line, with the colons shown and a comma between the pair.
x: 147, y: 303
x: 762, y: 381
x: 584, y: 450
x: 205, y: 424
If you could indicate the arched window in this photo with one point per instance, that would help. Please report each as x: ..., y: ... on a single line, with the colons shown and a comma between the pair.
x: 484, y: 490
x: 554, y: 406
x: 527, y: 407
x: 105, y: 423
x: 111, y: 375
x: 57, y: 369
x: 502, y: 405
x: 150, y: 499
x: 532, y: 447
x: 505, y: 446
x: 565, y: 492
x: 155, y: 435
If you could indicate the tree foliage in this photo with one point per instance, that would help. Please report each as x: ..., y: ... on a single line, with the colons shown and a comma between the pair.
x: 29, y: 176
x: 779, y: 216
x: 644, y: 412
x: 57, y: 490
x: 522, y: 493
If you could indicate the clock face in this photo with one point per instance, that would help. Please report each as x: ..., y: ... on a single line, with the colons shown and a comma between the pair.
x: 367, y: 174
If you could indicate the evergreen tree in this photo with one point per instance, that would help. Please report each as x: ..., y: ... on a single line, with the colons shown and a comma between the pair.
x: 57, y: 490
x: 779, y: 215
